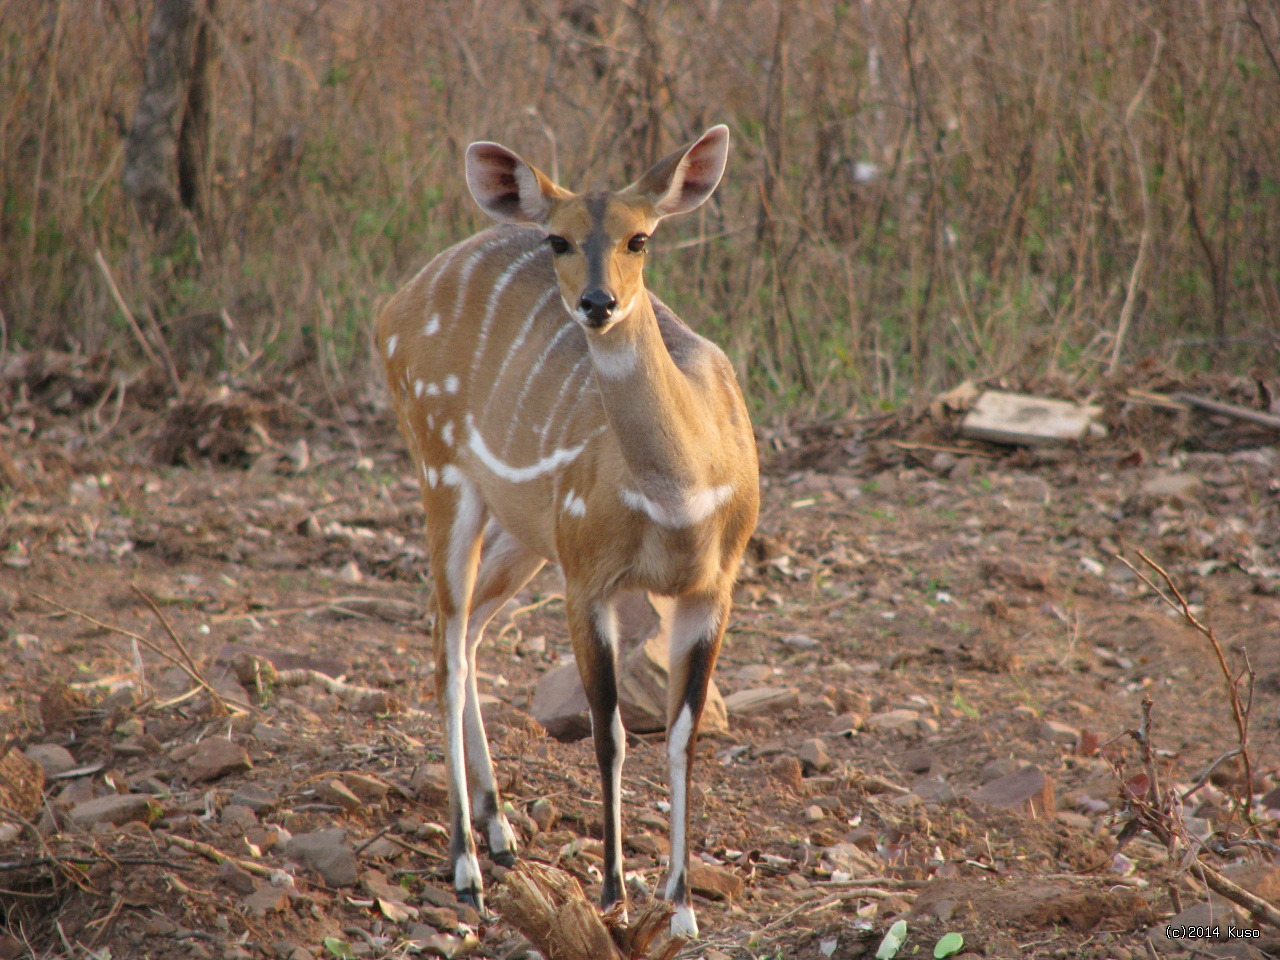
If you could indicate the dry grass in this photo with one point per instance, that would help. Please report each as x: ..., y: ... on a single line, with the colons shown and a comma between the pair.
x: 919, y: 190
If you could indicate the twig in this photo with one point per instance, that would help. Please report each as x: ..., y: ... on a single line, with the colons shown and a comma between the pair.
x: 1260, y: 909
x: 1255, y: 417
x: 153, y: 647
x: 217, y: 856
x: 8, y: 865
x: 15, y: 817
x: 133, y: 323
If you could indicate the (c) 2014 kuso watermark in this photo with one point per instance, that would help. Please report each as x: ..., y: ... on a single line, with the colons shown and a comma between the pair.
x: 1212, y: 931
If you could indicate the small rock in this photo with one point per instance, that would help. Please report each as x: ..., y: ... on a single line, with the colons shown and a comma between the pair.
x: 761, y: 701
x: 649, y: 844
x: 814, y: 813
x: 715, y: 883
x: 543, y: 813
x: 376, y: 884
x: 847, y: 724
x: 902, y: 722
x: 328, y: 853
x: 787, y: 770
x: 753, y: 673
x: 1029, y: 788
x: 1000, y: 767
x: 430, y: 784
x: 53, y: 759
x: 1055, y: 732
x: 241, y: 881
x: 350, y: 572
x: 337, y: 793
x: 238, y: 815
x: 115, y: 808
x: 215, y: 757
x: 933, y: 790
x: 254, y: 796
x: 814, y: 757
x: 368, y: 789
x: 1172, y: 486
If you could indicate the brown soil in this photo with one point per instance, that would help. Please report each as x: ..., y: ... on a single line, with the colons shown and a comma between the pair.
x: 895, y: 568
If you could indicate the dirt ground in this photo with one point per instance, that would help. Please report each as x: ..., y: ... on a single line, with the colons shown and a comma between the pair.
x: 947, y: 624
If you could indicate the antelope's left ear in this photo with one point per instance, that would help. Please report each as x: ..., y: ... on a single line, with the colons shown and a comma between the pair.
x: 682, y: 181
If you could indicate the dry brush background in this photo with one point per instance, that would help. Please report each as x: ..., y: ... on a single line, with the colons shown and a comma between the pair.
x: 919, y: 190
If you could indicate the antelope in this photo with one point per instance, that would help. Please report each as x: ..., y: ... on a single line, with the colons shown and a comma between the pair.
x: 558, y: 411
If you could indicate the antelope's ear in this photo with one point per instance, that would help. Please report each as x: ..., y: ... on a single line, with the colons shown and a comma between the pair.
x: 507, y: 188
x: 682, y: 181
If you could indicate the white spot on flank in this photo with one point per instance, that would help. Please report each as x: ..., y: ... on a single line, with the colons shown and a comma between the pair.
x: 433, y: 390
x: 553, y: 461
x: 418, y: 387
x: 451, y: 476
x: 432, y: 326
x: 431, y: 421
x: 694, y: 508
x: 446, y: 434
x: 574, y: 504
x: 391, y: 344
x: 432, y: 477
x: 451, y: 384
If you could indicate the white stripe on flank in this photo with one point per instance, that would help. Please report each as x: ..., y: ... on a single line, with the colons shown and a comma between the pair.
x: 418, y: 387
x: 564, y: 392
x: 451, y: 384
x: 478, y: 254
x: 565, y: 330
x: 695, y: 507
x: 491, y: 309
x: 574, y: 504
x: 446, y: 434
x: 548, y: 464
x: 432, y: 477
x: 516, y: 344
x: 391, y: 345
x: 451, y: 476
x: 432, y: 326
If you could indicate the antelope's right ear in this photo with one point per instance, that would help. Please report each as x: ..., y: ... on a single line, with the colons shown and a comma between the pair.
x: 507, y: 188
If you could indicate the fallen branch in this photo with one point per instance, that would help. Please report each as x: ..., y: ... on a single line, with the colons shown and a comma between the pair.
x: 217, y: 856
x: 1256, y: 417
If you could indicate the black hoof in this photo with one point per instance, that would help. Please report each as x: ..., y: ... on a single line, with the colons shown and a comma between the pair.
x: 471, y: 897
x: 505, y: 858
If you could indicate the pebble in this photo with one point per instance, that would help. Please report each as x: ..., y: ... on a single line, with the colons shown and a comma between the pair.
x: 814, y: 757
x: 215, y: 757
x: 328, y: 853
x: 52, y: 758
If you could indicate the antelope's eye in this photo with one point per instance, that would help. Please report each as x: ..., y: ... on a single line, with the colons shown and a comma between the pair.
x: 557, y: 244
x: 636, y: 243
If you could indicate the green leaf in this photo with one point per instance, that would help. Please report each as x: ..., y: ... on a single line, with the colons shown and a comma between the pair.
x: 951, y: 943
x: 339, y: 948
x: 892, y: 941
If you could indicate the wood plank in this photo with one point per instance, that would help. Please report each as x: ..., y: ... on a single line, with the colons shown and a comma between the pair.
x: 1020, y: 419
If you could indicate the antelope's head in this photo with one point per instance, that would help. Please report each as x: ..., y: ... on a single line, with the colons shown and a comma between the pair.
x: 598, y: 239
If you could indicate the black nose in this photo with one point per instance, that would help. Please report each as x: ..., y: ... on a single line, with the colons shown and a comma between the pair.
x: 597, y: 305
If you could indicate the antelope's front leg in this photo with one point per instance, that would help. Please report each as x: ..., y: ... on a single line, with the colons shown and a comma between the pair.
x: 696, y: 631
x: 593, y: 628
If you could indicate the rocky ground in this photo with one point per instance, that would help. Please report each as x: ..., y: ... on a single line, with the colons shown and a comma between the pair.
x: 218, y: 735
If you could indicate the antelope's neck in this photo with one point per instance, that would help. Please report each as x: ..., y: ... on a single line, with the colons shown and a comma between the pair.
x: 665, y: 435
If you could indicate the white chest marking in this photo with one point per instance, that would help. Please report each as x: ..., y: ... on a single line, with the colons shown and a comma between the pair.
x: 694, y: 508
x: 548, y: 464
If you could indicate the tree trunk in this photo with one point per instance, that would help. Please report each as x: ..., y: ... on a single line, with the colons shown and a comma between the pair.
x: 166, y: 147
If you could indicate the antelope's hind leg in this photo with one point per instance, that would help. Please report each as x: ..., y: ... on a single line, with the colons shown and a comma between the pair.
x: 506, y: 565
x: 454, y: 546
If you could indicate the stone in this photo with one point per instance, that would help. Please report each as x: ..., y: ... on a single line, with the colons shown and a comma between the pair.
x: 115, y: 808
x: 902, y: 722
x: 1060, y: 733
x: 254, y: 796
x: 560, y: 703
x: 1029, y: 789
x: 543, y: 813
x: 238, y: 815
x: 999, y: 767
x: 788, y: 771
x: 52, y: 758
x: 337, y: 793
x: 762, y: 701
x: 715, y: 883
x: 813, y: 813
x: 814, y: 757
x: 1172, y: 486
x: 376, y: 884
x: 241, y: 881
x: 368, y: 789
x: 933, y: 790
x: 648, y: 843
x: 328, y: 853
x: 215, y: 757
x: 430, y: 784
